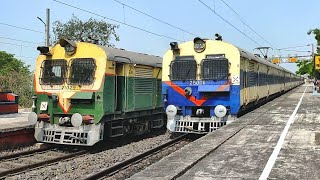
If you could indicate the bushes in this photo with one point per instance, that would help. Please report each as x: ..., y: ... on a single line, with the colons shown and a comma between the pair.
x: 16, y: 76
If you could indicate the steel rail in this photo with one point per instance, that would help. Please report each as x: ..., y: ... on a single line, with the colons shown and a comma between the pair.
x: 16, y: 155
x: 109, y: 171
x: 39, y: 164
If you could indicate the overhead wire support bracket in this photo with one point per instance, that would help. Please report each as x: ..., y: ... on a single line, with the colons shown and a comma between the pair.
x: 263, y: 51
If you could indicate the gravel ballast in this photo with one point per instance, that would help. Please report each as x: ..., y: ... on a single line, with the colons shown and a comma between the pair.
x: 79, y: 167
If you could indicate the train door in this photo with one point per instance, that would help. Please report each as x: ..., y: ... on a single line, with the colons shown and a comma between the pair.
x: 251, y: 81
x: 258, y: 81
x: 282, y: 81
x: 285, y: 81
x: 120, y: 87
x: 243, y: 79
x: 268, y: 80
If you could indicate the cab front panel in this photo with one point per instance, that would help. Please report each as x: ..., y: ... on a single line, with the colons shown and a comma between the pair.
x: 202, y: 87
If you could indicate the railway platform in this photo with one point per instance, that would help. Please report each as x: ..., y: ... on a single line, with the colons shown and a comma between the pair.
x: 15, y: 130
x: 279, y: 140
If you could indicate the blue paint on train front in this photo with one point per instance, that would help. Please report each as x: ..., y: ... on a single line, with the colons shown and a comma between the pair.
x: 229, y: 97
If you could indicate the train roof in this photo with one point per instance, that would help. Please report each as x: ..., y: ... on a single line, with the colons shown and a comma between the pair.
x: 121, y: 55
x: 249, y: 55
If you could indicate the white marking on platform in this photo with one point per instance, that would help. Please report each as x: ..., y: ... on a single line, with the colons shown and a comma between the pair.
x: 272, y: 159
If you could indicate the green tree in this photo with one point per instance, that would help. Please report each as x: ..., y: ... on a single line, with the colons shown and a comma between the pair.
x: 305, y: 67
x: 16, y: 76
x: 316, y: 33
x: 85, y: 31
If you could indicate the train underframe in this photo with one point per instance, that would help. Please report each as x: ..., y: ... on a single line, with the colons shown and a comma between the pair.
x: 197, y: 125
x: 115, y: 125
x: 203, y: 125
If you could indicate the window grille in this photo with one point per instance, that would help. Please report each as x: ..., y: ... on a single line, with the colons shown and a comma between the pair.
x: 82, y: 71
x: 215, y: 69
x: 251, y: 75
x: 183, y: 69
x: 53, y: 72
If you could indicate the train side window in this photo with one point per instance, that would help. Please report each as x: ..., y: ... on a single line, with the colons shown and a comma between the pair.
x: 53, y: 72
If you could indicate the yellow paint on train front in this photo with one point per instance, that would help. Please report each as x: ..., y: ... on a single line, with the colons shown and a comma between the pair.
x: 84, y: 50
x: 212, y: 47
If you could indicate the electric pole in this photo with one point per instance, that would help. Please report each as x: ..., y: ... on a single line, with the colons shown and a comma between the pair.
x: 47, y: 27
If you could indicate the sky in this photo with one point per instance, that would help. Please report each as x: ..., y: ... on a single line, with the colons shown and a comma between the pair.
x: 281, y: 24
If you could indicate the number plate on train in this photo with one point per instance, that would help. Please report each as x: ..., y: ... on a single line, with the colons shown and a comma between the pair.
x: 197, y: 83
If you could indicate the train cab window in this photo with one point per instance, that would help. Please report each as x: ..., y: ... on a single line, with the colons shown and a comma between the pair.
x: 82, y: 71
x: 215, y: 69
x: 183, y: 68
x: 53, y: 72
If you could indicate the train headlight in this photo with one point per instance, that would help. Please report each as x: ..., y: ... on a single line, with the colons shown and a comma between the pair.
x: 32, y: 118
x: 76, y: 120
x: 199, y: 45
x: 220, y: 111
x: 69, y: 46
x: 171, y: 110
x: 69, y: 49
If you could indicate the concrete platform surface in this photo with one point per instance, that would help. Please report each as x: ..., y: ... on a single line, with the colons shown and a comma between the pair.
x: 242, y: 149
x: 15, y: 121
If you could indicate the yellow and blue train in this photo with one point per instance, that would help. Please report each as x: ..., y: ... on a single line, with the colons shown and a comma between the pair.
x: 206, y: 83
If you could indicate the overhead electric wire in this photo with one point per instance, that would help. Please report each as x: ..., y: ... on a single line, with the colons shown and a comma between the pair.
x: 19, y: 27
x: 295, y: 50
x: 229, y: 22
x: 294, y: 47
x: 18, y: 40
x: 25, y: 57
x: 117, y: 21
x: 155, y: 18
x: 20, y: 45
x: 246, y: 23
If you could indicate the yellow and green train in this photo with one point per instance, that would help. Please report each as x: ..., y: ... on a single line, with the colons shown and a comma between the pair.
x: 85, y: 92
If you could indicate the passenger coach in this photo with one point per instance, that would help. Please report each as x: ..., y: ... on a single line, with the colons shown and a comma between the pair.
x: 206, y: 83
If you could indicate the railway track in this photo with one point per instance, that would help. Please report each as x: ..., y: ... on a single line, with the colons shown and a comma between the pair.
x: 112, y: 170
x: 24, y: 161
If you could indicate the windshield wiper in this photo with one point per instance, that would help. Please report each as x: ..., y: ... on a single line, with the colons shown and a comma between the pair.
x: 187, y: 74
